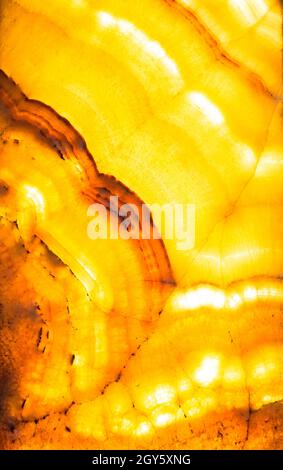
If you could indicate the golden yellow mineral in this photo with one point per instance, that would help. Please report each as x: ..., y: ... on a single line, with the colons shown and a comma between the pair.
x: 167, y: 341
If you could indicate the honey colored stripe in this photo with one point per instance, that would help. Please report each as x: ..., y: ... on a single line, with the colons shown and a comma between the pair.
x: 70, y: 145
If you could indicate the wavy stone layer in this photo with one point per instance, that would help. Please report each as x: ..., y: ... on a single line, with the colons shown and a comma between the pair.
x: 179, y: 101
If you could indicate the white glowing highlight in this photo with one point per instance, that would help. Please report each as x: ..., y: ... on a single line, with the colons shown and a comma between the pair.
x: 206, y: 107
x: 164, y: 394
x: 234, y: 301
x: 87, y: 277
x: 187, y: 3
x: 249, y: 11
x: 203, y: 296
x: 217, y: 298
x: 208, y: 371
x: 164, y: 419
x: 250, y: 293
x: 150, y: 46
x: 79, y: 360
x: 269, y: 163
x: 34, y: 195
x: 143, y: 428
x: 247, y: 155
